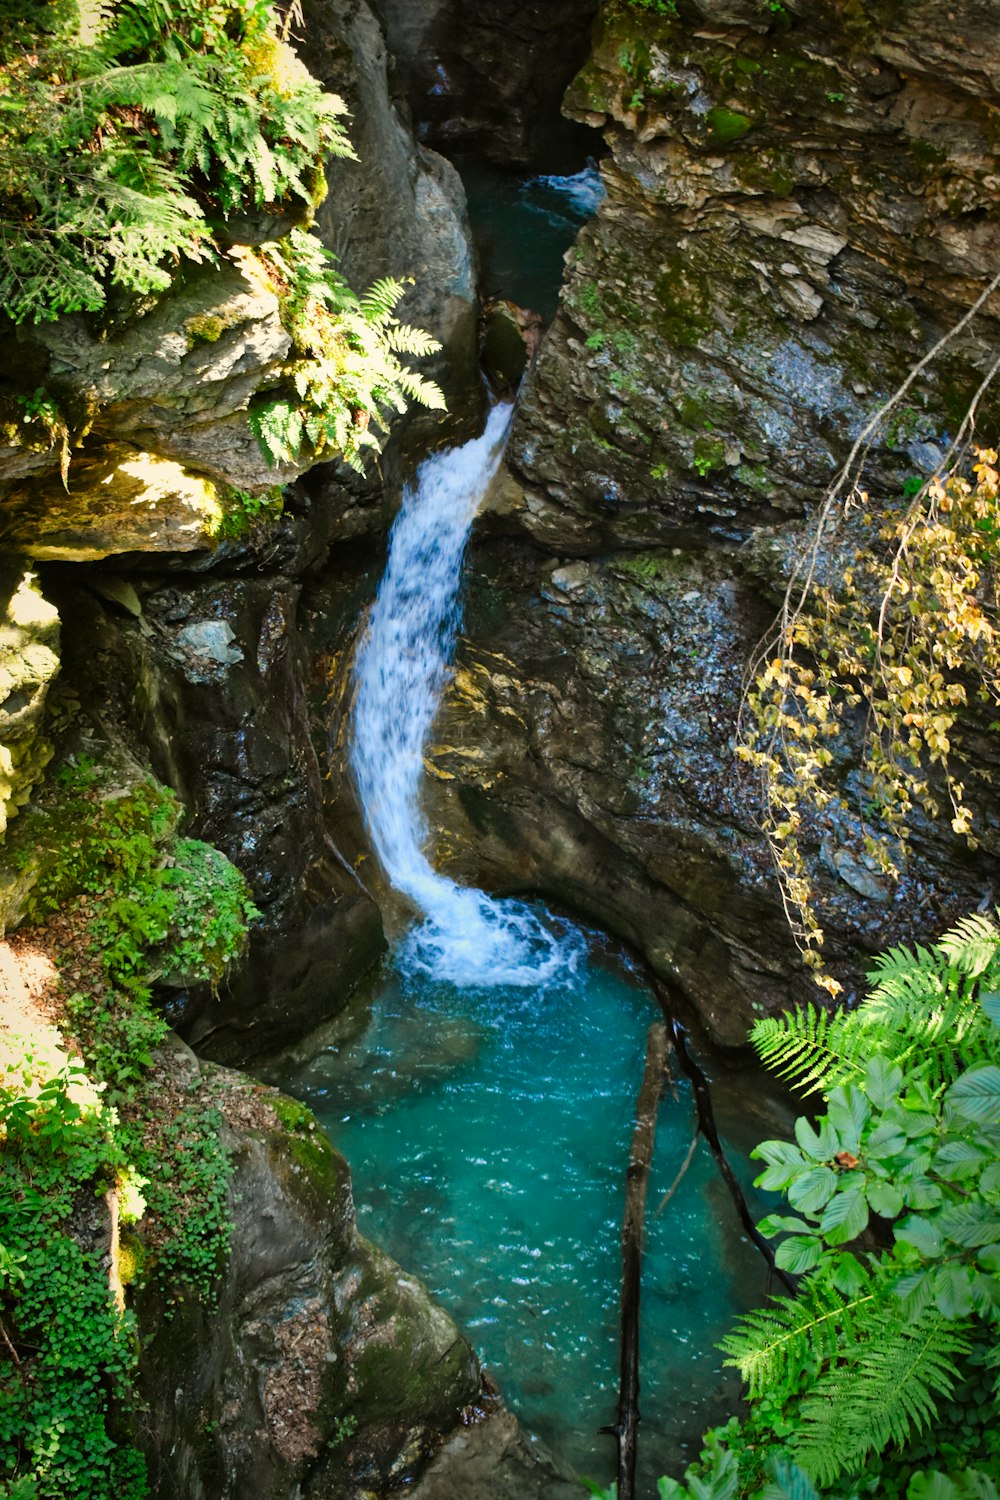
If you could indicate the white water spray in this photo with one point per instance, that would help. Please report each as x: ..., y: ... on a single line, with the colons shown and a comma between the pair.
x: 402, y: 667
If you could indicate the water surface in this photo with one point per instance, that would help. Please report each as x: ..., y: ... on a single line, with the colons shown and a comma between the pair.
x: 488, y: 1132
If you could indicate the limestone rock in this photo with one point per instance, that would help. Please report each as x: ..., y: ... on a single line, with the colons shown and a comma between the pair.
x: 399, y: 210
x: 29, y: 663
x: 120, y: 500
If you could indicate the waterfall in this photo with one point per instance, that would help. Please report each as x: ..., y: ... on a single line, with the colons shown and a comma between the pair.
x: 402, y: 668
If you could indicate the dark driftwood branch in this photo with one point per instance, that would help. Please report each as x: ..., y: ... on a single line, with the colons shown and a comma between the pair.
x: 706, y: 1124
x: 637, y: 1183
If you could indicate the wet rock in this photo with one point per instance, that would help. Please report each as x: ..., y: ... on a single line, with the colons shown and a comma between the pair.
x: 492, y: 1460
x: 324, y: 1369
x: 509, y: 342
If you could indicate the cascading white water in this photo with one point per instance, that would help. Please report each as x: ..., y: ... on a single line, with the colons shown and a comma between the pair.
x: 402, y: 667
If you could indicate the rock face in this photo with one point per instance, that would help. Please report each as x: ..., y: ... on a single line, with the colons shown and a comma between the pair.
x: 399, y: 210
x: 29, y: 663
x: 798, y: 206
x: 491, y: 79
x: 793, y: 216
x: 324, y: 1370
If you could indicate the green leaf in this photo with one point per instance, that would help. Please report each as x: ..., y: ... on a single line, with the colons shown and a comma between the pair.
x: 883, y: 1081
x: 884, y: 1198
x: 952, y: 1287
x: 785, y: 1164
x: 991, y: 1005
x: 971, y: 1224
x: 849, y: 1112
x: 781, y: 1223
x: 845, y: 1216
x: 976, y: 1095
x: 820, y: 1145
x: 921, y: 1234
x: 958, y: 1160
x: 812, y: 1191
x: 798, y: 1254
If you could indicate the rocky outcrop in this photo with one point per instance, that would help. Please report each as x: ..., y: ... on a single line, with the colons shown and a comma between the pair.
x: 29, y: 663
x: 491, y: 80
x: 323, y: 1369
x: 796, y: 210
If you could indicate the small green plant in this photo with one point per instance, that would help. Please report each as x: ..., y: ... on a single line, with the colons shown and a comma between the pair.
x: 172, y: 905
x: 347, y: 366
x: 660, y: 7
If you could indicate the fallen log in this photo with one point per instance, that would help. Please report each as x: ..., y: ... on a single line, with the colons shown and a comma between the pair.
x: 633, y: 1229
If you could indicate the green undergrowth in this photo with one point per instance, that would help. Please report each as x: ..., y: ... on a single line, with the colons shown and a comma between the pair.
x: 163, y: 906
x: 113, y: 1169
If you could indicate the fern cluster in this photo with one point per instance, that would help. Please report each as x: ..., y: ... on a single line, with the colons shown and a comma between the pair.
x: 887, y: 1360
x: 129, y: 137
x: 347, y: 365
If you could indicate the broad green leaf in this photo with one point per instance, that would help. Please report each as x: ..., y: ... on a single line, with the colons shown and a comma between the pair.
x: 846, y: 1215
x: 976, y: 1095
x: 921, y: 1234
x: 958, y: 1160
x: 883, y: 1081
x: 971, y: 1224
x: 785, y: 1164
x: 846, y: 1273
x: 915, y: 1291
x: 849, y: 1112
x: 812, y: 1191
x: 885, y: 1141
x: 991, y: 1005
x: 986, y: 1295
x: 781, y: 1223
x: 884, y: 1198
x: 953, y: 1290
x: 798, y: 1254
x: 917, y: 1189
x: 990, y: 1180
x: 819, y: 1144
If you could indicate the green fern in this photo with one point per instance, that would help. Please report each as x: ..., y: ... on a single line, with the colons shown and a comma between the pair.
x: 796, y: 1337
x: 882, y: 1391
x: 925, y: 1002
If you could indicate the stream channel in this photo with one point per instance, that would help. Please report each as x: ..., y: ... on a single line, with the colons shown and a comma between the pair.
x: 484, y: 1089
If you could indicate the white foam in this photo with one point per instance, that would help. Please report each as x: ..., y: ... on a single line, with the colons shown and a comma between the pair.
x: 580, y: 195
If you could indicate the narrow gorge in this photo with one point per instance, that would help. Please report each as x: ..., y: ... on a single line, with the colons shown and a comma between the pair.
x: 424, y: 669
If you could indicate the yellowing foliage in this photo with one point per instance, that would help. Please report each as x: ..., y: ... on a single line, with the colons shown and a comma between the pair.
x: 908, y: 639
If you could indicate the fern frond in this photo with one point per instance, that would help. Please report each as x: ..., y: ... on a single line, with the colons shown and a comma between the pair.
x: 972, y: 945
x: 402, y: 339
x: 811, y: 1048
x: 883, y: 1391
x: 379, y: 301
x: 796, y: 1337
